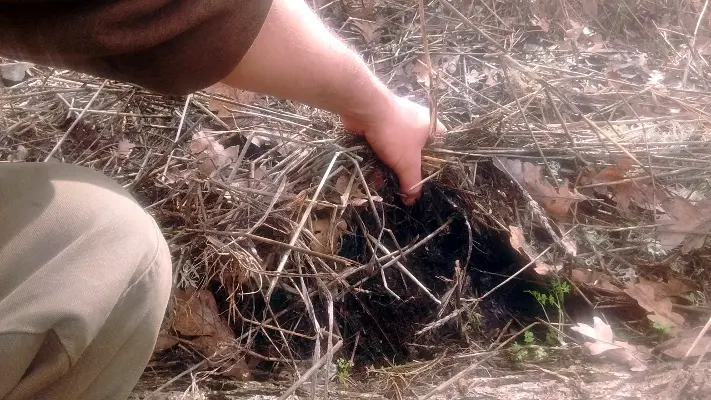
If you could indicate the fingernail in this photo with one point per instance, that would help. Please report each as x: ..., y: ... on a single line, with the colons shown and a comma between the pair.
x: 408, y: 200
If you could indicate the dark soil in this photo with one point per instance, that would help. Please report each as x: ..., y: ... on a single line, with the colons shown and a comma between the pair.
x: 387, y: 326
x: 380, y: 330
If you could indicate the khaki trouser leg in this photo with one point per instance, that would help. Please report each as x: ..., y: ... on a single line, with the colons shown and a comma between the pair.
x: 84, y: 283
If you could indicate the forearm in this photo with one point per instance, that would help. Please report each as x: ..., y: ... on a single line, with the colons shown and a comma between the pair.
x: 296, y: 57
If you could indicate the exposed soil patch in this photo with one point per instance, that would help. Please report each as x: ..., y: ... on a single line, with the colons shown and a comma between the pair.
x: 386, y: 326
x: 379, y: 324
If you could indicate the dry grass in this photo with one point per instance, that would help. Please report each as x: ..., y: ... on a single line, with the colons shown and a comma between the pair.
x: 543, y: 82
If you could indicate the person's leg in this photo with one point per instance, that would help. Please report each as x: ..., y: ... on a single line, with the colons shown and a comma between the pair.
x: 85, y: 277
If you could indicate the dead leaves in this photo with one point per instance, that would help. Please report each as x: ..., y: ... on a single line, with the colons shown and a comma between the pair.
x: 422, y: 72
x: 447, y: 63
x: 327, y: 236
x: 684, y: 224
x: 363, y: 17
x: 601, y: 333
x: 680, y: 222
x: 19, y: 155
x: 625, y: 194
x: 678, y: 347
x: 603, y: 343
x: 347, y: 190
x: 219, y: 106
x: 655, y: 297
x: 360, y: 8
x: 197, y: 319
x: 210, y: 155
x: 370, y: 30
x: 351, y: 192
x: 530, y: 177
x: 196, y: 315
x: 595, y: 280
x: 164, y: 342
x: 658, y: 305
x: 472, y: 76
x: 14, y: 72
x: 518, y: 243
x: 124, y: 148
x: 673, y: 287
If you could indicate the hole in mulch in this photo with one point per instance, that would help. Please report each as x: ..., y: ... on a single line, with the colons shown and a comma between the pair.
x: 381, y: 330
x: 384, y: 328
x: 381, y: 325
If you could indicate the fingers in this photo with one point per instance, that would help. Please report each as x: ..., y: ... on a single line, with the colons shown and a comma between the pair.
x: 409, y: 173
x: 409, y: 170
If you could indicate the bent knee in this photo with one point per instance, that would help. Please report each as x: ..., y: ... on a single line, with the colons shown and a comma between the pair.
x: 69, y: 201
x: 73, y: 244
x: 52, y: 206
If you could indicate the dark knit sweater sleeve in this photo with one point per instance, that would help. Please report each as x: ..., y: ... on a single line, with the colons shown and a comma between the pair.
x: 168, y: 46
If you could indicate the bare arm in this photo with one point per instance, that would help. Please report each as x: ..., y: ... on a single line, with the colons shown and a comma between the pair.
x: 296, y: 57
x: 181, y: 46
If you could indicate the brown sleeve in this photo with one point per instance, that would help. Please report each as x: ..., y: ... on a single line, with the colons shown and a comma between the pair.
x: 168, y: 46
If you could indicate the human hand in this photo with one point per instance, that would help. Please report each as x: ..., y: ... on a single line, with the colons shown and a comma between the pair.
x: 397, y: 131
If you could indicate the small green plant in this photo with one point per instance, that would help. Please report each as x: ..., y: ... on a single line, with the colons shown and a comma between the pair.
x: 529, y: 338
x: 519, y: 352
x: 473, y: 322
x: 528, y: 351
x: 661, y: 329
x: 554, y: 298
x: 552, y: 338
x: 343, y: 369
x: 560, y: 289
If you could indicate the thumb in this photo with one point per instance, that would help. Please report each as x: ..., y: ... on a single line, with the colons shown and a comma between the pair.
x: 409, y: 173
x: 437, y: 137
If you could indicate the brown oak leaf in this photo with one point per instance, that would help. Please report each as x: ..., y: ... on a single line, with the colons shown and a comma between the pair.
x: 685, y: 224
x: 679, y: 346
x: 594, y: 279
x: 370, y: 30
x: 529, y: 176
x: 603, y: 343
x: 659, y: 306
x: 642, y: 194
